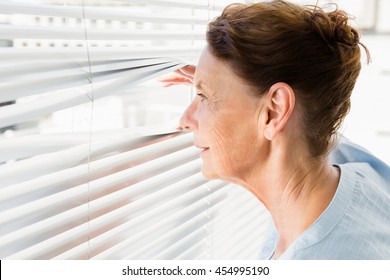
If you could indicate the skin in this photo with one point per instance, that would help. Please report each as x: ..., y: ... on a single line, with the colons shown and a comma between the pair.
x: 255, y: 140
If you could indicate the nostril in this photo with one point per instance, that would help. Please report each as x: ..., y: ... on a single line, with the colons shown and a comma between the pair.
x: 186, y: 127
x: 187, y: 120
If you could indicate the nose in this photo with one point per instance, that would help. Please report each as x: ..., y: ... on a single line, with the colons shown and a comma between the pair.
x: 188, y: 120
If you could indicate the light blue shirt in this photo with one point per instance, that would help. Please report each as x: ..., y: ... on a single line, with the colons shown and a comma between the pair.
x: 356, y: 224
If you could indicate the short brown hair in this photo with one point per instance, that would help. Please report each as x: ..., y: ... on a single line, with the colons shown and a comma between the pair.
x: 316, y: 52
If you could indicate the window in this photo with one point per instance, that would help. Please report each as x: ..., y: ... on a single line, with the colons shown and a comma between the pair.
x: 90, y: 165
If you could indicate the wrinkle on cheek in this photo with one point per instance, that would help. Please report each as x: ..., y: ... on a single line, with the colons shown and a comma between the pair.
x: 222, y: 131
x: 221, y: 145
x: 238, y: 144
x: 219, y: 137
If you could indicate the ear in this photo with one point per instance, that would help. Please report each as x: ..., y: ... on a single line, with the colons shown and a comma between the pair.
x: 279, y: 105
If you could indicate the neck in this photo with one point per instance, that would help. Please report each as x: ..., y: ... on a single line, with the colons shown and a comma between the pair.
x: 296, y: 191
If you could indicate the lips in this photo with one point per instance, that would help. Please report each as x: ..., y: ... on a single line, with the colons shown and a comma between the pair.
x: 202, y: 147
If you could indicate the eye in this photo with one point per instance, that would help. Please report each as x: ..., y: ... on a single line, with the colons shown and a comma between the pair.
x: 202, y: 96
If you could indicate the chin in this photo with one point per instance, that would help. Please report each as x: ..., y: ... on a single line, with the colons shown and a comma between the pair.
x: 209, y: 173
x: 212, y: 174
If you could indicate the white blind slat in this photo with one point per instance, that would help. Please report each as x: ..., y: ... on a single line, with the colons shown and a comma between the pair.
x: 71, y: 54
x: 25, y: 146
x: 68, y: 79
x: 66, y: 33
x: 96, y: 168
x: 192, y: 237
x: 104, y: 13
x: 141, y: 224
x: 157, y: 243
x: 205, y: 5
x: 95, y: 207
x: 73, y: 163
x: 21, y: 112
x: 96, y: 190
x: 62, y: 70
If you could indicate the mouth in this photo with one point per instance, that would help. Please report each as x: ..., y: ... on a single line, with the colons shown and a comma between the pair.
x: 203, y: 149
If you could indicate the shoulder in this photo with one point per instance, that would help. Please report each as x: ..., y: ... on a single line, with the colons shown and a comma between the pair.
x: 361, y: 161
x: 347, y: 151
x: 356, y: 224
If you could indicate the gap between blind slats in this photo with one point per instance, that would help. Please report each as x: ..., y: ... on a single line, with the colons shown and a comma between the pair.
x: 21, y: 112
x: 66, y: 33
x: 104, y: 13
x: 43, y: 249
x: 144, y: 224
x: 72, y: 54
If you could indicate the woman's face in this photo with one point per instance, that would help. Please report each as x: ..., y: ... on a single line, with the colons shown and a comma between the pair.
x: 224, y: 117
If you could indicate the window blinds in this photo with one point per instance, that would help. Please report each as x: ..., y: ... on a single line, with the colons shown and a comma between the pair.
x: 91, y: 166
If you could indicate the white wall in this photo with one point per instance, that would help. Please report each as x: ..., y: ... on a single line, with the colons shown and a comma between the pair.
x: 368, y: 123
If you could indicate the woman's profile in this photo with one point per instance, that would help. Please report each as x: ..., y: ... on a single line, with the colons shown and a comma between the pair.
x: 273, y: 86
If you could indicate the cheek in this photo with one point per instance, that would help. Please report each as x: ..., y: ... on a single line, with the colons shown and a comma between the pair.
x: 226, y: 147
x: 222, y: 134
x: 215, y: 132
x: 233, y: 149
x: 233, y: 140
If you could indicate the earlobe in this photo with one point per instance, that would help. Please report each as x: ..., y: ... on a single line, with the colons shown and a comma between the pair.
x: 268, y: 134
x: 279, y: 105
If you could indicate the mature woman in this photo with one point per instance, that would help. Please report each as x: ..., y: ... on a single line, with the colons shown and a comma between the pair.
x: 273, y: 86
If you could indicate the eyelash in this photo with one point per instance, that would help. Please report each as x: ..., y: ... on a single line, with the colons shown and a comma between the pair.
x: 202, y: 96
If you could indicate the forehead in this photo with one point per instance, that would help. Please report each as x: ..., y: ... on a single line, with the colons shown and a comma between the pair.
x: 216, y: 78
x: 211, y: 72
